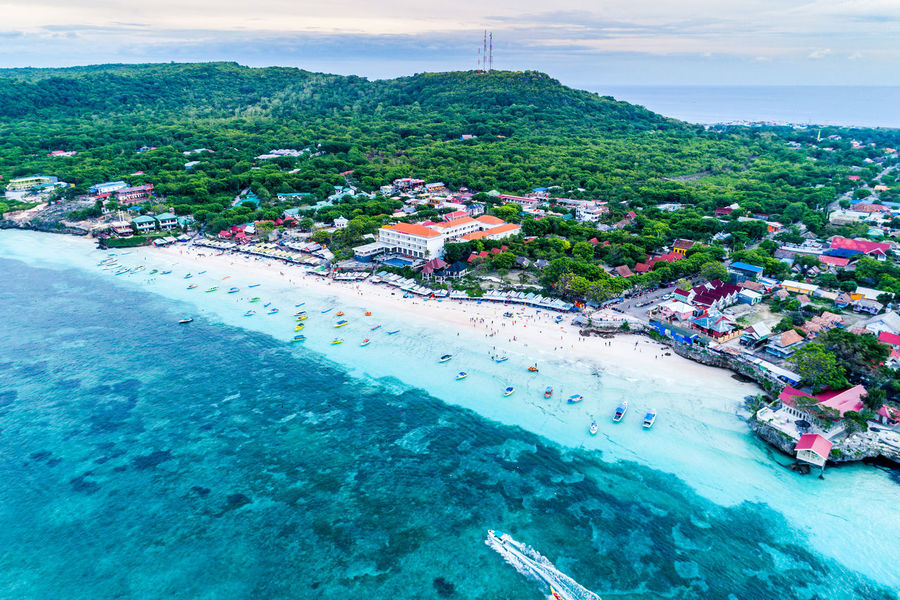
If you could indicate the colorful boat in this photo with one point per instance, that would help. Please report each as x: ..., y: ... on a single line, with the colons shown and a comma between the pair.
x: 393, y: 331
x: 340, y: 313
x: 192, y: 286
x: 254, y: 299
x: 298, y: 338
x: 341, y: 323
x: 272, y: 311
x: 594, y: 428
x: 533, y: 369
x: 302, y: 318
x: 234, y: 290
x: 153, y: 272
x: 461, y: 375
x: 366, y: 342
x: 377, y: 327
x: 336, y: 341
x: 299, y: 327
x: 212, y: 289
x: 368, y: 313
x: 649, y: 419
x: 226, y: 277
x: 188, y: 276
x: 548, y: 391
x: 186, y: 320
x: 498, y: 358
x: 509, y: 391
x: 267, y: 304
x: 620, y: 411
x: 249, y: 313
x: 445, y: 358
x: 575, y: 398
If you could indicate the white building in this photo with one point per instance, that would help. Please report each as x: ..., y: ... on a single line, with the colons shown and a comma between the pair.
x: 457, y: 227
x: 412, y: 240
x: 341, y: 222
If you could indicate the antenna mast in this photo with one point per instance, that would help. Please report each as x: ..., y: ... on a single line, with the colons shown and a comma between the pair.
x: 491, y: 51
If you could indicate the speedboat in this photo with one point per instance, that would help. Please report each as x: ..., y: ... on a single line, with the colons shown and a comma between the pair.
x: 272, y: 311
x: 153, y: 272
x: 559, y: 318
x: 461, y: 375
x: 298, y: 338
x: 192, y: 286
x: 575, y: 398
x: 377, y: 327
x: 165, y: 272
x: 548, y: 391
x: 226, y: 277
x: 249, y: 313
x: 366, y: 342
x: 212, y: 289
x: 253, y: 285
x: 234, y: 290
x: 533, y: 369
x: 302, y: 318
x: 620, y: 411
x: 649, y: 418
x: 393, y: 331
x: 509, y: 391
x: 501, y: 359
x: 445, y: 358
x: 327, y: 309
x: 254, y: 299
x: 299, y: 313
x: 340, y: 313
x: 336, y: 341
x: 342, y: 323
x: 201, y: 272
x: 186, y: 320
x: 594, y: 428
x: 188, y: 276
x: 301, y: 304
x: 368, y: 313
x: 267, y: 304
x: 299, y: 327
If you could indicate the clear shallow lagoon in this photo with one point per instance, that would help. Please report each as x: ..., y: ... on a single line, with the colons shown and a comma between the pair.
x: 146, y: 459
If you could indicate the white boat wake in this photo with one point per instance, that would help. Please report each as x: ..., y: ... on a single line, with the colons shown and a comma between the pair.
x: 530, y: 563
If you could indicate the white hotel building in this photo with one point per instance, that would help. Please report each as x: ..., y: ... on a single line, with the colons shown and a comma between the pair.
x: 427, y: 241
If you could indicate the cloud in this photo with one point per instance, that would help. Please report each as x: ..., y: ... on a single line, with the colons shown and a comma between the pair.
x: 817, y: 54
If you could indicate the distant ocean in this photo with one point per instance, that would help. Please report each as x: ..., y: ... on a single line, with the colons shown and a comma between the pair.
x: 875, y: 106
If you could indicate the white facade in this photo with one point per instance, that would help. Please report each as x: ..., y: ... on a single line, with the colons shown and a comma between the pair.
x: 412, y: 240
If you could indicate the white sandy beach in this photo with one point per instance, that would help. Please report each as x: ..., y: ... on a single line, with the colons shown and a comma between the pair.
x: 530, y: 332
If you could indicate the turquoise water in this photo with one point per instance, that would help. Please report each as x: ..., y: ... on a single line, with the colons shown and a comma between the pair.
x: 146, y: 459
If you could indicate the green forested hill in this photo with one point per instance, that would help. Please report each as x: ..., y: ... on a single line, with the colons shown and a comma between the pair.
x: 530, y: 131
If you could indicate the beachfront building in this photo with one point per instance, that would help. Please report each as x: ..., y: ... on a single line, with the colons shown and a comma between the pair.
x: 135, y: 194
x: 412, y: 240
x: 144, y: 224
x: 28, y: 183
x: 458, y: 227
x: 712, y: 294
x: 814, y: 449
x: 108, y: 187
x: 167, y: 221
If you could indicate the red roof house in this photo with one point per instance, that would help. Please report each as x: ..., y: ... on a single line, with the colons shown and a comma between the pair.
x: 813, y: 448
x: 864, y: 246
x: 842, y: 401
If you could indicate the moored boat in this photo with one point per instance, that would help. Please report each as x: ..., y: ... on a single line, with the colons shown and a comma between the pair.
x: 165, y: 272
x: 336, y: 341
x: 192, y: 286
x: 649, y: 419
x: 272, y: 311
x: 254, y: 299
x: 393, y: 331
x: 575, y: 398
x: 299, y: 327
x: 302, y: 318
x: 212, y: 289
x: 249, y: 313
x: 368, y: 313
x: 500, y: 358
x: 509, y: 391
x: 186, y: 320
x: 620, y: 411
x: 342, y: 323
x: 377, y: 327
x: 461, y: 375
x: 594, y: 428
x: 253, y: 285
x: 366, y: 342
x: 188, y: 276
x: 298, y: 338
x: 445, y: 358
x: 533, y: 369
x: 234, y: 290
x: 548, y: 391
x: 327, y: 309
x: 340, y: 313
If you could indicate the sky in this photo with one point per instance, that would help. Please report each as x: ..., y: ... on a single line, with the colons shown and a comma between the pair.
x: 584, y: 43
